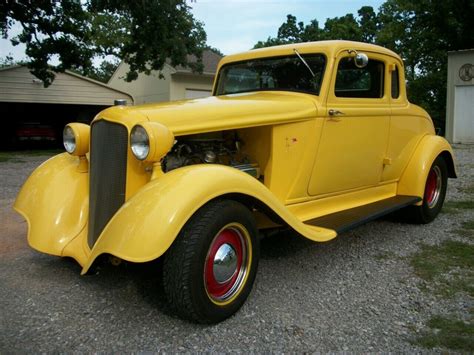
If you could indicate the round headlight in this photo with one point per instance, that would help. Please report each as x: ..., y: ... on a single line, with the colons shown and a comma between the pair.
x: 151, y: 141
x: 76, y: 138
x: 139, y: 142
x: 69, y: 140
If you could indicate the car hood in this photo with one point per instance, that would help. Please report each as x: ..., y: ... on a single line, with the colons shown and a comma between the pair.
x: 228, y: 112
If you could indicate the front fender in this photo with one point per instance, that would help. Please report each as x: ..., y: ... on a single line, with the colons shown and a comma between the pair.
x: 54, y: 201
x: 414, y: 177
x: 147, y: 224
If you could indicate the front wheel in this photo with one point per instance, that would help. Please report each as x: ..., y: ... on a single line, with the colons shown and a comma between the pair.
x: 433, y: 198
x: 209, y: 270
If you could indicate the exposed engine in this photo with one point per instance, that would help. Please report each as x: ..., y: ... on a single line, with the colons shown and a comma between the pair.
x: 210, y: 148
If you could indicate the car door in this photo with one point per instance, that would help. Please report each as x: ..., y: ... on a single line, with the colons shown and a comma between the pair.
x: 356, y: 127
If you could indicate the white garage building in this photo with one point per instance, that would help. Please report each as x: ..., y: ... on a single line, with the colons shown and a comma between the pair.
x: 176, y: 83
x: 32, y: 112
x: 460, y: 98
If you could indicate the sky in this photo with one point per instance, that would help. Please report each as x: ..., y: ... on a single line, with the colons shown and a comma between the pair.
x: 236, y: 25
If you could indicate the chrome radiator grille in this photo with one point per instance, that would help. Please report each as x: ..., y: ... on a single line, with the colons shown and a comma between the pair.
x: 107, y: 174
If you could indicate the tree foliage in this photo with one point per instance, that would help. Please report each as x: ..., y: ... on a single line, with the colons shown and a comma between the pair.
x: 144, y: 33
x: 7, y: 61
x: 214, y: 49
x: 104, y: 71
x: 422, y: 32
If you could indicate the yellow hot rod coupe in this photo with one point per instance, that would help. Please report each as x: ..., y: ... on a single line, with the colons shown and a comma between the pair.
x: 316, y: 137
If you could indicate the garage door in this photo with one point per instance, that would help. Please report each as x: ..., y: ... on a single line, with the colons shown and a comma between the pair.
x: 464, y: 114
x: 196, y: 94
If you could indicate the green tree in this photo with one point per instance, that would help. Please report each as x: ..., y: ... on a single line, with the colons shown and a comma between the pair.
x: 214, y: 49
x: 292, y: 32
x: 105, y: 70
x: 7, y: 61
x: 288, y: 32
x: 143, y: 33
x: 422, y: 32
x: 344, y: 27
x: 368, y: 23
x: 312, y: 32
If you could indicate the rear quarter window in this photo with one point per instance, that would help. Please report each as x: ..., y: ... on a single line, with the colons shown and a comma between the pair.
x: 395, y: 84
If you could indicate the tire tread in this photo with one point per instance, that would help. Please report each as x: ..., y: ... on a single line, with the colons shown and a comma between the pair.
x: 182, y: 255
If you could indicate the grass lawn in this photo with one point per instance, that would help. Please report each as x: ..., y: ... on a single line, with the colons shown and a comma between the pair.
x: 448, y: 269
x: 15, y: 156
x: 456, y: 206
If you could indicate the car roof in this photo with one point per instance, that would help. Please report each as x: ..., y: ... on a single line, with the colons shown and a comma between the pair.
x: 330, y: 48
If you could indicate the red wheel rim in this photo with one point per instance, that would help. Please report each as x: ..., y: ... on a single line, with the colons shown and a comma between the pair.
x: 226, y: 264
x: 433, y: 187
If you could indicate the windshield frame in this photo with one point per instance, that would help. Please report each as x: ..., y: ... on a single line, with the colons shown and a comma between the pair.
x: 290, y: 55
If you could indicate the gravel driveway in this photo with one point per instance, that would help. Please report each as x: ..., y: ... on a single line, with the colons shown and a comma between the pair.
x: 355, y: 293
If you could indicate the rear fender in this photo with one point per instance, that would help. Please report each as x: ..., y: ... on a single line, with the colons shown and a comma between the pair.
x: 414, y: 177
x: 148, y: 223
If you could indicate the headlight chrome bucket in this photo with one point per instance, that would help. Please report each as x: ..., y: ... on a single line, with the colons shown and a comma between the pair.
x: 151, y: 141
x: 76, y: 138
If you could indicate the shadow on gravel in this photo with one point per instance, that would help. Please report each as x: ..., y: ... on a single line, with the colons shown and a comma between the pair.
x: 131, y: 287
x: 283, y: 243
x: 144, y: 279
x: 287, y: 244
x: 119, y: 287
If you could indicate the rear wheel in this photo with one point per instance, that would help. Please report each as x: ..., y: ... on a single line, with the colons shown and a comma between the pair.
x: 209, y: 270
x: 433, y: 198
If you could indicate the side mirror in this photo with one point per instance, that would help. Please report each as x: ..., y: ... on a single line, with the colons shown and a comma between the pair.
x: 361, y: 60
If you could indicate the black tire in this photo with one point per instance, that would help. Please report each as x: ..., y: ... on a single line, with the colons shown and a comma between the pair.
x: 190, y: 272
x: 433, y: 199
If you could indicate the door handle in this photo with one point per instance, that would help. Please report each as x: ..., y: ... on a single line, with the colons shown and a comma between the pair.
x: 333, y: 112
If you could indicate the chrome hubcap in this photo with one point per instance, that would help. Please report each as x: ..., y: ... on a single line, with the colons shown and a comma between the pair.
x: 225, y: 263
x: 433, y: 187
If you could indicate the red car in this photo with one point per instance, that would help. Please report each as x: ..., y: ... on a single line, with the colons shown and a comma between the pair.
x: 33, y: 132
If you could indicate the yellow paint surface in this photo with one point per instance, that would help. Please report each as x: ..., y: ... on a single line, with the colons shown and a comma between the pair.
x: 312, y: 164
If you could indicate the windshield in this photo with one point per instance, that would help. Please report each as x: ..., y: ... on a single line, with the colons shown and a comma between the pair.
x: 288, y: 73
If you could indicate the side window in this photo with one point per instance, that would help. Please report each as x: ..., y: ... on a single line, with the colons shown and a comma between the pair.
x: 395, y: 83
x: 359, y: 82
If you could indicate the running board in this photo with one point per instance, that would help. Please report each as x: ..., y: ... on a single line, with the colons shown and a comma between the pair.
x: 345, y: 220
